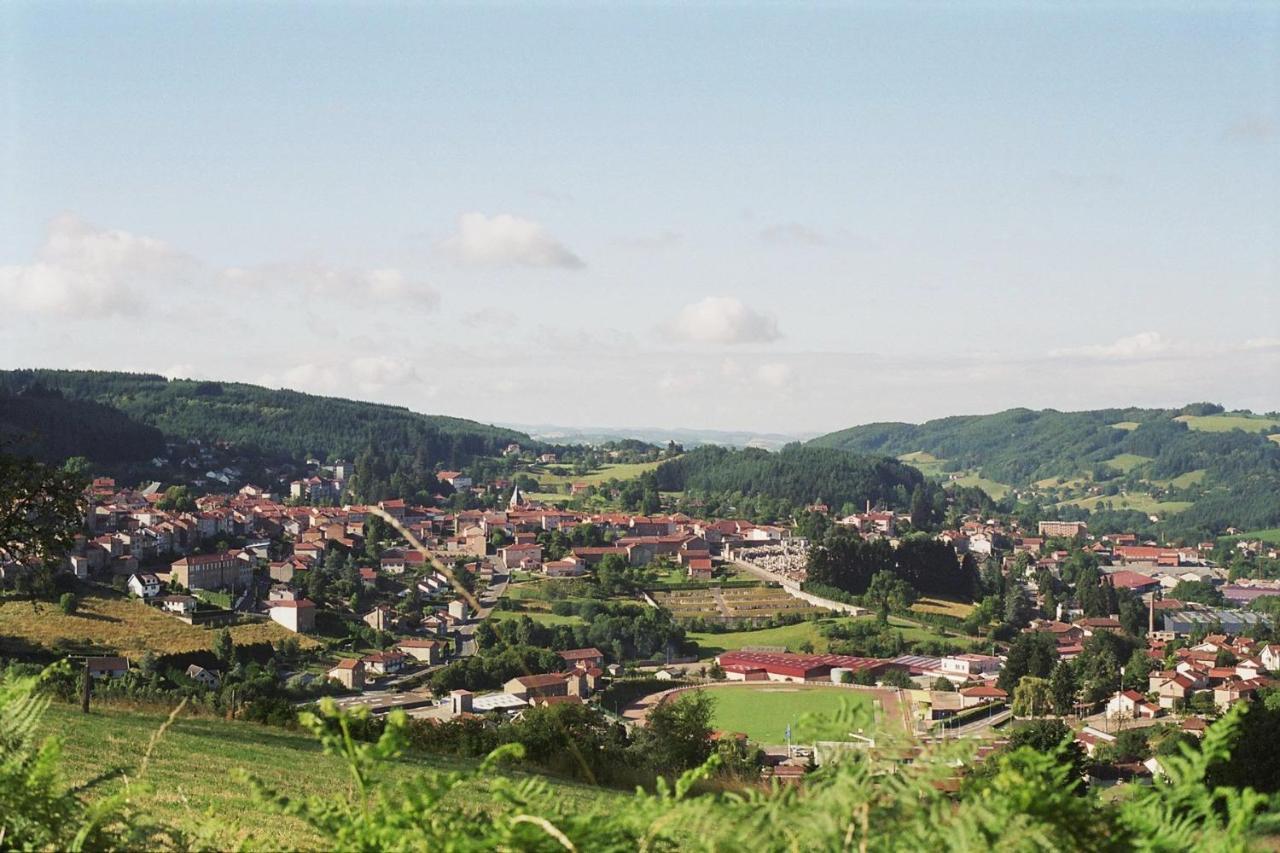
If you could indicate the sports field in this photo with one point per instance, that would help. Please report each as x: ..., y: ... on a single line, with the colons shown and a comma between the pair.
x: 763, y: 712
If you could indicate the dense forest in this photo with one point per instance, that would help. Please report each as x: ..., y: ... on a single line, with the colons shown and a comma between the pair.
x: 797, y: 474
x: 43, y: 423
x: 1236, y: 472
x: 259, y: 422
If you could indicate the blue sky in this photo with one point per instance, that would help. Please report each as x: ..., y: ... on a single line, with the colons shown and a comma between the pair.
x: 656, y: 214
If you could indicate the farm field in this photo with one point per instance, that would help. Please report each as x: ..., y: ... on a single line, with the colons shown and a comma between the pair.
x: 1227, y: 422
x: 612, y: 471
x: 958, y: 609
x: 991, y: 487
x: 123, y: 625
x: 1126, y: 462
x: 1183, y: 481
x: 1127, y: 426
x: 763, y: 713
x: 190, y: 771
x: 929, y: 465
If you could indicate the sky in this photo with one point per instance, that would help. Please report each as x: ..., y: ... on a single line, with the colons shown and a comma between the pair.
x: 787, y: 218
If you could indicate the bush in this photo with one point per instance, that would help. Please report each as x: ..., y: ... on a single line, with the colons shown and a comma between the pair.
x: 68, y: 603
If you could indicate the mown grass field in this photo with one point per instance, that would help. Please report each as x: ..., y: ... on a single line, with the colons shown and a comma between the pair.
x: 123, y: 625
x: 927, y: 463
x: 789, y: 636
x: 1183, y: 481
x: 1127, y: 426
x: 1126, y: 462
x: 191, y: 779
x: 991, y: 487
x: 1227, y: 422
x: 613, y: 471
x: 763, y: 712
x: 958, y: 609
x: 542, y: 617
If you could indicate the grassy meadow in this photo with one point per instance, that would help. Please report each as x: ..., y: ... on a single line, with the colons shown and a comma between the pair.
x: 1226, y: 422
x: 190, y: 772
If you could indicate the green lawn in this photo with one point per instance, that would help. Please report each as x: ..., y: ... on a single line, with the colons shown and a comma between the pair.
x: 927, y: 463
x: 539, y: 616
x: 618, y: 471
x: 790, y: 636
x: 991, y: 487
x: 1183, y: 481
x: 190, y: 771
x: 1228, y: 422
x: 1126, y: 462
x: 763, y: 712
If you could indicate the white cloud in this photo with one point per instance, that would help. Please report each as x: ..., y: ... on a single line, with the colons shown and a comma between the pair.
x: 380, y: 284
x: 82, y: 270
x: 1141, y: 345
x: 506, y: 240
x: 358, y: 375
x: 774, y: 375
x: 722, y: 320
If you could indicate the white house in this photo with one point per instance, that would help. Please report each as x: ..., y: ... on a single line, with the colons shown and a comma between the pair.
x: 145, y: 586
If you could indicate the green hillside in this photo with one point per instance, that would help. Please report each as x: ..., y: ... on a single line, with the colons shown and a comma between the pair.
x: 190, y: 772
x: 280, y: 424
x: 1209, y: 467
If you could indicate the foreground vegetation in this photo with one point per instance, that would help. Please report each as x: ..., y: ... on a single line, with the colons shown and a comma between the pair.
x: 1025, y: 799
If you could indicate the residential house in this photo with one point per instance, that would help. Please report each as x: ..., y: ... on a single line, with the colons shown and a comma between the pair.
x: 182, y: 605
x: 145, y: 586
x: 430, y: 652
x: 207, y: 677
x: 384, y: 663
x: 107, y: 667
x: 349, y: 672
x: 298, y: 616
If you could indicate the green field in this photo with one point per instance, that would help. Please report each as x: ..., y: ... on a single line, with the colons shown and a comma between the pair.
x: 763, y: 713
x: 1183, y: 481
x: 927, y: 463
x: 790, y: 636
x: 190, y: 771
x: 1269, y: 534
x: 991, y: 487
x: 1228, y: 422
x: 540, y: 616
x: 1126, y: 462
x: 612, y: 471
x: 1127, y: 426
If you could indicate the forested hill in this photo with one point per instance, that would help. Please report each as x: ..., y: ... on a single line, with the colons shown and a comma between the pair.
x: 796, y: 475
x: 279, y: 424
x: 1208, y: 467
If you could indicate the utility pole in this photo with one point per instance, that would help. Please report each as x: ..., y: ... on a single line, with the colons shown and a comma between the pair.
x: 84, y: 688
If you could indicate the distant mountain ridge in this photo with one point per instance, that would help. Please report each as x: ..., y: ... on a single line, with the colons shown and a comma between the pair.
x: 660, y: 436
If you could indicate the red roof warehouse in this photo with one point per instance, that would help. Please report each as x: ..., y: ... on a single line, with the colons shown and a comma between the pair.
x: 784, y: 667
